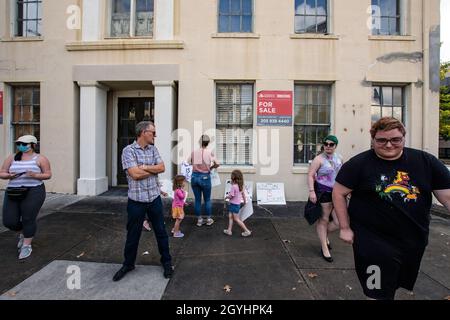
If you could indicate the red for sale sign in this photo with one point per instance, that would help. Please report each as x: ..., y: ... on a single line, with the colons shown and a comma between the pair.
x: 1, y: 107
x: 274, y: 108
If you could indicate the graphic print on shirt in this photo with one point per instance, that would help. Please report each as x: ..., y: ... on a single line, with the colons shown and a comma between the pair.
x: 400, y: 185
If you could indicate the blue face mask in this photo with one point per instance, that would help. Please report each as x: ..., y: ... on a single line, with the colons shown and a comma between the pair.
x: 23, y: 148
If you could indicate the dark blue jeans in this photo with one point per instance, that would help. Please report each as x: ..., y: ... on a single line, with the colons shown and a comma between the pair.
x: 201, y: 184
x: 136, y: 215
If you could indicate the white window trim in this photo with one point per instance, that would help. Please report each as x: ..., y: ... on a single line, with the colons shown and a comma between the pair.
x: 404, y: 28
x: 132, y: 34
x: 253, y: 157
x: 407, y: 102
x: 13, y: 24
x: 302, y: 168
x: 251, y: 34
x: 330, y: 29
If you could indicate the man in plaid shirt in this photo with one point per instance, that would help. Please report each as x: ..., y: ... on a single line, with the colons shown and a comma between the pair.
x: 142, y: 163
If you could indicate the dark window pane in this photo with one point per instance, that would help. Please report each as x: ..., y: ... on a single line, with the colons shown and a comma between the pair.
x: 388, y: 8
x: 394, y: 26
x: 300, y: 7
x: 398, y: 101
x: 36, y: 114
x: 386, y: 112
x: 224, y: 6
x: 397, y: 113
x: 322, y: 24
x: 323, y: 95
x: 311, y: 7
x: 322, y: 7
x: 384, y: 26
x: 247, y: 7
x: 376, y: 96
x: 299, y: 23
x: 310, y: 23
x: 314, y: 94
x: 224, y: 23
x: 121, y: 6
x: 236, y: 7
x: 387, y: 96
x: 384, y: 7
x: 376, y: 114
x: 32, y: 29
x: 36, y: 96
x: 31, y: 12
x: 26, y: 95
x: 246, y: 23
x: 144, y: 5
x: 235, y: 23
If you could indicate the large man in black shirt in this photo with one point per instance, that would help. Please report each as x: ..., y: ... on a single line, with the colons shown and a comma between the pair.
x: 388, y: 216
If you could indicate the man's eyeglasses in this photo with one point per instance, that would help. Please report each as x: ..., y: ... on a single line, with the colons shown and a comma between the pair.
x: 331, y: 144
x: 394, y: 141
x: 152, y: 131
x: 21, y: 144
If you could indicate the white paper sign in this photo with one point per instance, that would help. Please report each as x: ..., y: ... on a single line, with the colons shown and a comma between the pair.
x: 215, y: 178
x: 186, y: 170
x: 247, y: 210
x: 270, y: 193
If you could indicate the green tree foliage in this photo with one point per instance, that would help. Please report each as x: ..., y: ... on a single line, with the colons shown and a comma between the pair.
x: 444, y: 105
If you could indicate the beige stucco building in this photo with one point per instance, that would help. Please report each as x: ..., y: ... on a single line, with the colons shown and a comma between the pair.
x: 83, y: 71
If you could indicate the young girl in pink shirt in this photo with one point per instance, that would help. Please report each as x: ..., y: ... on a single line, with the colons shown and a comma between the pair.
x: 236, y: 196
x: 179, y: 198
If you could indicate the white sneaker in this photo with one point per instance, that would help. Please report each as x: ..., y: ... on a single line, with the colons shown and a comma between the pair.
x: 209, y: 221
x: 246, y: 233
x: 178, y: 234
x: 25, y: 252
x: 200, y: 222
x: 20, y: 243
x: 229, y: 233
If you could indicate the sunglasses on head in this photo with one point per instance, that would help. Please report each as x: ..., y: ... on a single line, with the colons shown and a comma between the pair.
x: 329, y: 144
x: 21, y: 144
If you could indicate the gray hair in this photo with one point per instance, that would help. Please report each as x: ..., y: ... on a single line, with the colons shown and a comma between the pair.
x: 143, y: 125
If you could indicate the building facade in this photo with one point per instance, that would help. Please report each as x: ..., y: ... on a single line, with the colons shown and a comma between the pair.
x: 80, y: 73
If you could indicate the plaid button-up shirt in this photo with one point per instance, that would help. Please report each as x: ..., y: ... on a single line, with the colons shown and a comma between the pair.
x: 133, y: 155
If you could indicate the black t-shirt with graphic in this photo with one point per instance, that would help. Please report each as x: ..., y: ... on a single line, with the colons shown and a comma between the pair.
x: 392, y: 199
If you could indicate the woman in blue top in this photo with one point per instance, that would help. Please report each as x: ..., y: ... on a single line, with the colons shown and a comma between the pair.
x: 321, y: 178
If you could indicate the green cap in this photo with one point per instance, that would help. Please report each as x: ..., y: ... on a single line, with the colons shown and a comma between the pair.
x: 331, y: 138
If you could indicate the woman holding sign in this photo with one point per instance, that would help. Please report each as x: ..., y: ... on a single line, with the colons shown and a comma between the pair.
x: 321, y: 179
x: 203, y: 161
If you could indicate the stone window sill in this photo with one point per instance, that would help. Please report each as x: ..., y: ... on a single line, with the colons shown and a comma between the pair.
x: 229, y: 169
x: 300, y: 169
x: 124, y: 44
x: 317, y: 36
x: 391, y: 38
x: 236, y: 35
x: 22, y: 39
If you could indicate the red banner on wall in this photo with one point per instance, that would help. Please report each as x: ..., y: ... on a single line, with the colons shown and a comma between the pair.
x: 274, y: 108
x: 1, y: 107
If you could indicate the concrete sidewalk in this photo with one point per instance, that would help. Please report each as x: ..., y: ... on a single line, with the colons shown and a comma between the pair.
x: 281, y: 260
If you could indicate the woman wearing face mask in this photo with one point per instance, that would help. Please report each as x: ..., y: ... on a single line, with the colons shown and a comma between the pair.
x: 25, y: 192
x: 321, y: 179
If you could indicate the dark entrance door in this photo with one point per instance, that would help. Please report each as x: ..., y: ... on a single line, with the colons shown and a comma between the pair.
x: 131, y: 112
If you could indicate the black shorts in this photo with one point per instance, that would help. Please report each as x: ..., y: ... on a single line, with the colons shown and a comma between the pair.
x: 326, y: 197
x: 397, y: 267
